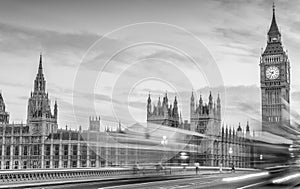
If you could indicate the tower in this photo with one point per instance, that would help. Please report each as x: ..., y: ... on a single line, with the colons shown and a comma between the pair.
x: 275, y: 80
x: 192, y: 105
x: 4, y: 116
x: 148, y: 106
x: 40, y: 119
x: 95, y: 124
x: 205, y: 118
x: 164, y: 113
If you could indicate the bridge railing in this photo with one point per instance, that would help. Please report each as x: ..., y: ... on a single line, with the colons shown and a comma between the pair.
x: 43, y: 175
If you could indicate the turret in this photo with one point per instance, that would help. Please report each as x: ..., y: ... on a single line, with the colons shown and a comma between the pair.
x: 210, y: 101
x: 175, y: 108
x: 2, y: 104
x: 55, y: 110
x: 192, y: 106
x: 165, y: 106
x: 149, y: 106
x: 219, y: 106
x: 239, y: 131
x: 159, y: 106
x: 94, y: 124
x: 247, y: 130
x: 200, y: 105
x: 4, y: 116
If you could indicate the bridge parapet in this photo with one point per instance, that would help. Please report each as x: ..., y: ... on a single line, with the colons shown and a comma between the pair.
x: 63, y: 175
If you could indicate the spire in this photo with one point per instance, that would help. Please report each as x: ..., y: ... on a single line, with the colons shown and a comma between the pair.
x: 149, y: 105
x: 55, y: 110
x: 247, y: 127
x: 218, y: 99
x: 175, y: 100
x: 40, y: 83
x: 192, y: 97
x: 158, y: 103
x: 149, y: 98
x: 239, y: 128
x: 200, y: 101
x: 2, y: 104
x: 41, y: 64
x: 210, y: 103
x: 273, y: 31
x: 210, y: 96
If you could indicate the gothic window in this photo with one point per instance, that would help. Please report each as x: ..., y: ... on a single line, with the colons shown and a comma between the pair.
x: 48, y: 149
x: 66, y: 150
x: 84, y: 151
x: 36, y: 150
x: 47, y: 164
x: 56, y: 150
x: 25, y: 150
x: 24, y: 164
x: 74, y: 150
x: 65, y: 164
x: 16, y: 150
x: 8, y: 150
x: 55, y: 164
x: 7, y: 165
x: 16, y: 165
x: 74, y: 163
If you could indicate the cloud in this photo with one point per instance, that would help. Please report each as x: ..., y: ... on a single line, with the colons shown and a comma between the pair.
x: 16, y: 39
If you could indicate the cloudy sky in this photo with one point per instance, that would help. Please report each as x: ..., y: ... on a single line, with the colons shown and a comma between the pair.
x: 103, y: 57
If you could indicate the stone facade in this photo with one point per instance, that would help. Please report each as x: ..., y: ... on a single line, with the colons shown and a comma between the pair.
x: 163, y: 113
x: 211, y: 148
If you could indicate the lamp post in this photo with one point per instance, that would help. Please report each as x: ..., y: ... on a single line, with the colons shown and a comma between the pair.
x: 164, y: 142
x: 183, y: 157
x: 260, y: 159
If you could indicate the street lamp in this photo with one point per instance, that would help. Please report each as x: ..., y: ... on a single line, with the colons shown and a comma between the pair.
x: 183, y: 156
x: 260, y: 159
x: 164, y: 142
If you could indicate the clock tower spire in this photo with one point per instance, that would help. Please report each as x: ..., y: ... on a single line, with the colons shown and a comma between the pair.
x: 275, y: 81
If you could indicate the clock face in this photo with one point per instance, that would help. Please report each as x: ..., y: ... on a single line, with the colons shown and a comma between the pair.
x: 272, y: 72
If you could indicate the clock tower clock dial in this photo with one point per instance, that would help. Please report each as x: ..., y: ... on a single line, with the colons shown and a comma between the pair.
x: 272, y: 72
x: 275, y: 80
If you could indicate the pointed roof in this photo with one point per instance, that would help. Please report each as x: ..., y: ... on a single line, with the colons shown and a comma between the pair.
x: 273, y: 28
x: 200, y: 100
x: 149, y: 98
x: 1, y: 98
x: 192, y: 97
x: 247, y: 127
x: 218, y: 99
x: 41, y: 65
x: 210, y: 96
x: 239, y: 128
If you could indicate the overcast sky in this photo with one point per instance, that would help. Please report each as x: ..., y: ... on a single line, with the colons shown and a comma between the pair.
x: 110, y: 54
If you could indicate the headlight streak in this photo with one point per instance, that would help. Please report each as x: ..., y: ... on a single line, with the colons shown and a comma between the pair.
x: 243, y: 177
x: 284, y: 179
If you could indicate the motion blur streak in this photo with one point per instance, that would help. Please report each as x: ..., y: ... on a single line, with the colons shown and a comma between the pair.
x: 244, y: 177
x: 284, y: 179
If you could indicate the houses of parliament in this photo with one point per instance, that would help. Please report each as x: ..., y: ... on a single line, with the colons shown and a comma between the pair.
x: 40, y: 143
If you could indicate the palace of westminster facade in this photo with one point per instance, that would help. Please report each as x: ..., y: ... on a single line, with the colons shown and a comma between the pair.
x: 41, y: 144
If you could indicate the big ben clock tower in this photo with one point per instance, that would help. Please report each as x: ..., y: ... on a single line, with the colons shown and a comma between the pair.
x: 275, y: 81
